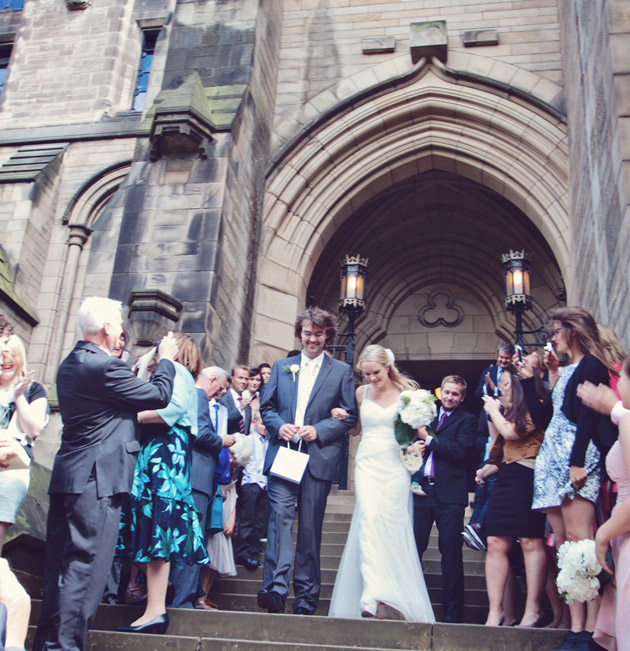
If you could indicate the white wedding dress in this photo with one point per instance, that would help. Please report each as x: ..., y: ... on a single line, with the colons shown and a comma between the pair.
x: 380, y: 560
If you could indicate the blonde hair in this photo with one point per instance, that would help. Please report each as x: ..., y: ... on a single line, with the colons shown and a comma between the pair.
x: 384, y: 356
x: 16, y: 347
x: 581, y: 331
x: 189, y: 353
x: 614, y: 352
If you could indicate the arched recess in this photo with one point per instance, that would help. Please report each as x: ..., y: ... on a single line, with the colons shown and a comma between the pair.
x: 82, y: 213
x: 434, y: 120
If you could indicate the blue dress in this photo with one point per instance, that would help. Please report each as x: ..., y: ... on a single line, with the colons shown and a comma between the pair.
x: 162, y: 521
x: 551, y: 473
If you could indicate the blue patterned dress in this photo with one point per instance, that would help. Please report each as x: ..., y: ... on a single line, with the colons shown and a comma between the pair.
x: 551, y: 473
x: 162, y: 521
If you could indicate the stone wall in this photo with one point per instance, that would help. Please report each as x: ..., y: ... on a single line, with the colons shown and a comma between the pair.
x: 596, y: 40
x: 322, y: 39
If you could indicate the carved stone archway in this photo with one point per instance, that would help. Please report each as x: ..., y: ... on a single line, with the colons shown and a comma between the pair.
x: 432, y: 121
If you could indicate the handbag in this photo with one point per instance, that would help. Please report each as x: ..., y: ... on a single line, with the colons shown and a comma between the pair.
x: 215, y: 514
x: 290, y: 464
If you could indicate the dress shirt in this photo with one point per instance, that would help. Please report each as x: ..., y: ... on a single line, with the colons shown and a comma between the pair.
x: 309, y: 368
x: 429, y: 469
x: 237, y: 400
x: 219, y: 418
x: 253, y: 470
x: 496, y: 388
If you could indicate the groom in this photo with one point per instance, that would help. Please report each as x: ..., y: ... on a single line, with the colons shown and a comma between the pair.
x: 296, y: 406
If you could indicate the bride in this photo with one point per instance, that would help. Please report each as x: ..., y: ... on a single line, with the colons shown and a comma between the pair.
x: 379, y: 567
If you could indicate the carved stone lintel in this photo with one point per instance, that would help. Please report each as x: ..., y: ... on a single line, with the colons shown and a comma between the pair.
x: 75, y: 5
x: 151, y: 314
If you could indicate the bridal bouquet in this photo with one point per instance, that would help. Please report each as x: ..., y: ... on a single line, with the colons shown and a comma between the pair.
x: 414, y: 409
x: 577, y: 579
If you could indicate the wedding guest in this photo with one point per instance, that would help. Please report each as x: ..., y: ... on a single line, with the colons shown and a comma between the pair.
x: 490, y: 376
x: 612, y: 631
x: 265, y: 371
x: 212, y: 383
x: 239, y: 410
x: 254, y: 501
x: 517, y: 440
x: 614, y: 353
x: 162, y: 526
x: 219, y: 545
x: 443, y: 479
x: 567, y: 472
x: 379, y: 567
x: 254, y: 385
x: 23, y: 415
x: 99, y: 398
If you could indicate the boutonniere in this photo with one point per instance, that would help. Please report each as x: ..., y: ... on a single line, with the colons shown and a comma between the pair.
x: 294, y: 369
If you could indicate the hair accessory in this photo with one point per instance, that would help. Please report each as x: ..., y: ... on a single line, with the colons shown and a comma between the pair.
x: 390, y: 356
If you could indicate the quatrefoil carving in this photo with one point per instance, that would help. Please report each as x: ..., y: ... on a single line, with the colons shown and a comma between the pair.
x: 441, y: 309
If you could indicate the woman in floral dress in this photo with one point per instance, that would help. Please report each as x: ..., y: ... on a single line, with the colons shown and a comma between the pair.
x: 567, y: 472
x: 162, y: 525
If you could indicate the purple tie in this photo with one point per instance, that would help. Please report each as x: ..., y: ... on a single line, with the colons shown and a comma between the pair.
x: 441, y: 421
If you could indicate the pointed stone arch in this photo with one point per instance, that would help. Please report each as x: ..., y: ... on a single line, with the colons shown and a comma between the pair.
x: 433, y: 119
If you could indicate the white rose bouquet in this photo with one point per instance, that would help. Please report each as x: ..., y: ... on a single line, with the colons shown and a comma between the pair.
x: 577, y: 579
x: 414, y: 409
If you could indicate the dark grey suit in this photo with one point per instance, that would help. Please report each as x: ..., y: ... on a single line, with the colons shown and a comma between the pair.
x: 333, y: 387
x: 205, y: 455
x: 235, y: 416
x: 99, y: 398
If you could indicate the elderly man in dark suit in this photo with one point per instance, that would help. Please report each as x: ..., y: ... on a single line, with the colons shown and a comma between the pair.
x: 239, y: 414
x: 443, y: 479
x: 296, y: 405
x: 99, y: 398
x: 212, y: 382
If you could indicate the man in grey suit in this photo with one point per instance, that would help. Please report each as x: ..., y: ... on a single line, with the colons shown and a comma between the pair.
x: 239, y: 415
x: 99, y: 398
x: 212, y: 382
x: 295, y: 407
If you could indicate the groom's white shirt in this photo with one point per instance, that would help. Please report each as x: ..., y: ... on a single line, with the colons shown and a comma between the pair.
x: 309, y: 368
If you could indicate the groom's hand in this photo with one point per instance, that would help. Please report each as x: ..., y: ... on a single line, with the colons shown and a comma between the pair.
x: 308, y: 433
x: 287, y: 431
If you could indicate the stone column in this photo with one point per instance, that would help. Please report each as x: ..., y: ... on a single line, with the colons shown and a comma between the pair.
x: 77, y: 238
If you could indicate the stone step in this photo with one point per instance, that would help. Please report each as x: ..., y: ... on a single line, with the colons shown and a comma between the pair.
x: 191, y: 630
x: 432, y: 552
x: 249, y: 582
x: 476, y: 564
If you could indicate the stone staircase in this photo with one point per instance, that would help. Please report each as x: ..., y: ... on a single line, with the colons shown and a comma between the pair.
x: 239, y: 625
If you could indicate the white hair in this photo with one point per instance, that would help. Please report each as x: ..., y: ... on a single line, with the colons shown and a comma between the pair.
x: 242, y: 449
x: 215, y: 372
x: 95, y: 312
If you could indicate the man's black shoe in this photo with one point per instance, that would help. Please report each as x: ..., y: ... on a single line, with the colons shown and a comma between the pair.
x: 301, y: 610
x: 271, y: 601
x: 249, y: 563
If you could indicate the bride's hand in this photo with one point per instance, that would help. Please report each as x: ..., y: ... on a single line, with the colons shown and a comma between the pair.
x: 339, y: 413
x: 422, y: 433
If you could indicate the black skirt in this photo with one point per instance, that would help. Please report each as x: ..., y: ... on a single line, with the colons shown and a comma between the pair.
x: 510, y: 504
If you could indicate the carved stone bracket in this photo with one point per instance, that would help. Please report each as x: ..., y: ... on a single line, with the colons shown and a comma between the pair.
x: 182, y: 121
x: 151, y: 314
x: 441, y: 309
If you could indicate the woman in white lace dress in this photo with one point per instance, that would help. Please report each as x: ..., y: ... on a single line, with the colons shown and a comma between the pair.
x: 380, y: 569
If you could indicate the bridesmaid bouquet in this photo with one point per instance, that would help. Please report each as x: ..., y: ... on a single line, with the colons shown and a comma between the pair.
x: 577, y: 579
x: 414, y: 409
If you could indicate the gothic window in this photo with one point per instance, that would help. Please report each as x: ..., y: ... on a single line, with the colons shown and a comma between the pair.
x: 5, y: 55
x: 11, y: 4
x: 149, y: 39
